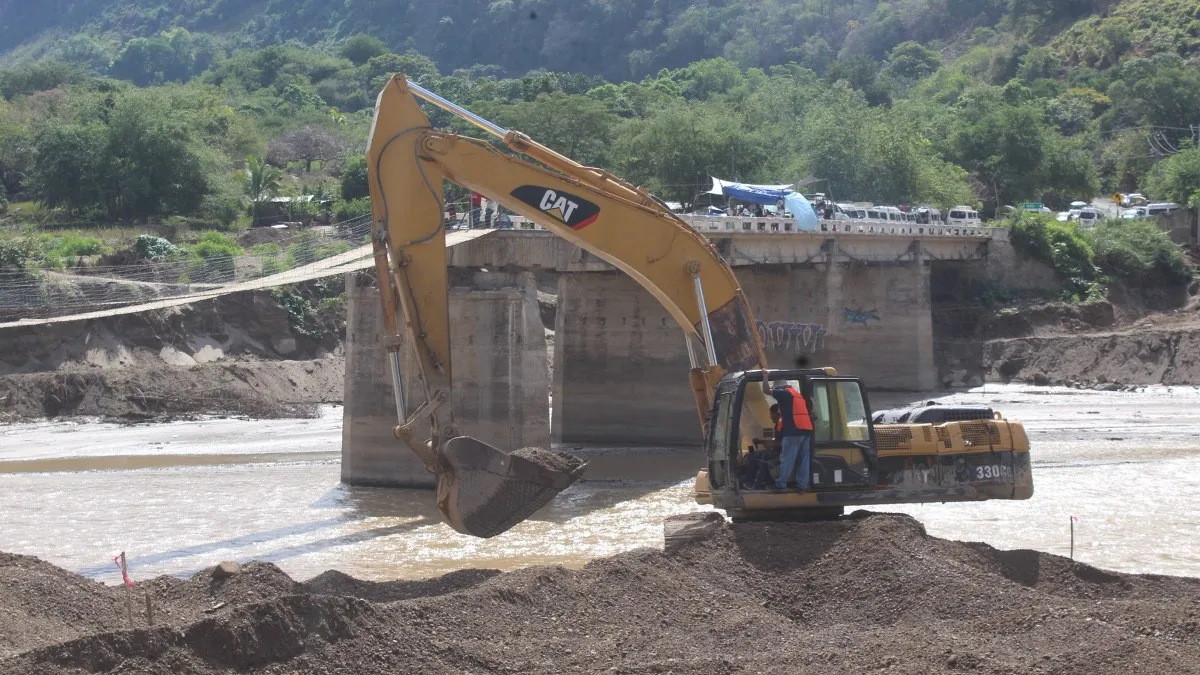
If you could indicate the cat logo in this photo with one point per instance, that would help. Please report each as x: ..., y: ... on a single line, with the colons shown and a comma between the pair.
x: 564, y: 207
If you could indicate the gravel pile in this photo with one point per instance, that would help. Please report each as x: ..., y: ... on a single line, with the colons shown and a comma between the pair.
x: 867, y: 593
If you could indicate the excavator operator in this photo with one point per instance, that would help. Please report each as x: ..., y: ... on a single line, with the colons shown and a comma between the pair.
x: 795, y: 434
x: 760, y: 457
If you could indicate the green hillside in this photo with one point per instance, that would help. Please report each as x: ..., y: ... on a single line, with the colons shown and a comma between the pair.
x: 109, y: 107
x: 618, y: 39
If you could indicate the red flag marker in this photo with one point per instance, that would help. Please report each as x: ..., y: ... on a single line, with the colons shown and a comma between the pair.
x: 119, y: 561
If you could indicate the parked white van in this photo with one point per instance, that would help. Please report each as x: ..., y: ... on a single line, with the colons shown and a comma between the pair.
x: 963, y: 215
x: 1162, y: 208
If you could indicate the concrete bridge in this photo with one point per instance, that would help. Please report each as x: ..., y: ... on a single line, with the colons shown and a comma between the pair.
x: 614, y: 369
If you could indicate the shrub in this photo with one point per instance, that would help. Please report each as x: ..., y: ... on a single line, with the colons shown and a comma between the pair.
x: 74, y: 245
x: 304, y: 250
x: 212, y: 243
x: 150, y: 247
x: 351, y: 209
x: 1062, y: 247
x: 1139, y: 253
x: 13, y: 255
x: 333, y: 249
x: 213, y: 254
x: 265, y: 250
x: 301, y: 212
x: 314, y: 308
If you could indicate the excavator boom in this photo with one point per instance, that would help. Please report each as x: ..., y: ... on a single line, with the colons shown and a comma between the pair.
x: 481, y: 490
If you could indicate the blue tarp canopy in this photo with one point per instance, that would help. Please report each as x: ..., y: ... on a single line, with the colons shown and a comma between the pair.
x: 767, y: 195
x: 771, y: 195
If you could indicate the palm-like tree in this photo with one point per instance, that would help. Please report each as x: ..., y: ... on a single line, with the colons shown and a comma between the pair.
x: 262, y: 183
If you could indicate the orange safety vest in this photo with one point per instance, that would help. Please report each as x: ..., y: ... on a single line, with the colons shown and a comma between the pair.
x: 800, y: 416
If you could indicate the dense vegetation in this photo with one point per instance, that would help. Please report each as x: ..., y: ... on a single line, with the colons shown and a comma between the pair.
x: 138, y: 111
x: 1136, y: 253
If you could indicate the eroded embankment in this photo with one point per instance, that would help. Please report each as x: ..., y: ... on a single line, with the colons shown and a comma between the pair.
x: 1102, y: 344
x: 1136, y: 357
x: 863, y: 594
x: 235, y: 354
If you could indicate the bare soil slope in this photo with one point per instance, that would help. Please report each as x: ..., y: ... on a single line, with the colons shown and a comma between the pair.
x: 236, y: 354
x: 1104, y: 344
x: 868, y: 593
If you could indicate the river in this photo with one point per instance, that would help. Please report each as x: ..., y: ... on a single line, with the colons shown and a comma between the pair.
x: 181, y: 496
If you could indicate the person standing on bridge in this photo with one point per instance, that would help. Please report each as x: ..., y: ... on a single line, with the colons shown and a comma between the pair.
x: 795, y: 434
x: 476, y: 209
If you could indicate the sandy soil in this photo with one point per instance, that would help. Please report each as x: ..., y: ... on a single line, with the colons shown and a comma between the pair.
x: 868, y: 593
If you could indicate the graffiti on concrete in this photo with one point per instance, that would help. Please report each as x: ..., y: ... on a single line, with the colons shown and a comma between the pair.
x: 862, y: 317
x: 800, y: 338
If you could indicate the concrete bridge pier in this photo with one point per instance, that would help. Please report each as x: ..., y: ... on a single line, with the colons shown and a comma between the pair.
x: 498, y: 354
x: 620, y: 374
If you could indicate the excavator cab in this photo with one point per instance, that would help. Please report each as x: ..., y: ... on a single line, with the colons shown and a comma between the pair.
x: 844, y: 453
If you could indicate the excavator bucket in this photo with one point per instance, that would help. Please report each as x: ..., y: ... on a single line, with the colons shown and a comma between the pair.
x: 487, y: 491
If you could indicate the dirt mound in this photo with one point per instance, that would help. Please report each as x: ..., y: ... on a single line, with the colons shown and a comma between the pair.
x: 862, y: 594
x: 336, y: 583
x: 42, y: 604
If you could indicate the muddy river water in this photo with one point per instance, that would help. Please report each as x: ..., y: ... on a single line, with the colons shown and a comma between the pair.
x: 181, y: 496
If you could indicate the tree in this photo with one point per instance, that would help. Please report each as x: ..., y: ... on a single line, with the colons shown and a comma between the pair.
x: 143, y: 61
x: 913, y: 61
x: 69, y: 165
x: 155, y: 154
x: 354, y: 179
x: 361, y: 48
x: 677, y: 149
x: 16, y: 150
x: 85, y: 51
x: 296, y: 98
x: 1002, y: 145
x: 577, y: 126
x: 262, y: 183
x: 379, y: 69
x: 307, y: 144
x: 126, y: 155
x: 1177, y: 177
x: 875, y: 154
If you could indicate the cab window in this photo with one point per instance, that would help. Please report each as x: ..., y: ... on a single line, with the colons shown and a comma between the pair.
x: 840, y: 413
x: 719, y: 430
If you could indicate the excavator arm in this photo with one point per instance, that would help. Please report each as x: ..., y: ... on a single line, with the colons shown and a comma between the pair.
x: 481, y: 490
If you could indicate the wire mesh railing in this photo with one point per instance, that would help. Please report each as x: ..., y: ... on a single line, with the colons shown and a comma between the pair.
x: 288, y: 258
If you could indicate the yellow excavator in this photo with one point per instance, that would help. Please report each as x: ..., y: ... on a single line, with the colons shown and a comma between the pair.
x: 928, y: 454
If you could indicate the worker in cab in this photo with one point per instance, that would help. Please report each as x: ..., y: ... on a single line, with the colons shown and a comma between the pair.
x: 795, y: 435
x: 757, y: 462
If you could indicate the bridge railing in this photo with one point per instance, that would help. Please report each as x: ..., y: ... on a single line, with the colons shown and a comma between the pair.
x: 785, y: 226
x: 748, y: 225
